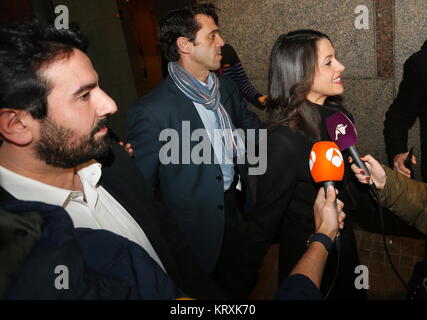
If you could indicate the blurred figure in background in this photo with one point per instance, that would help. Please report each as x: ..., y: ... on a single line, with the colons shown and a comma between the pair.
x: 232, y: 67
x: 410, y: 104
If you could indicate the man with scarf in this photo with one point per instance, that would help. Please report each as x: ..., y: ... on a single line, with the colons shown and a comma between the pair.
x: 207, y: 198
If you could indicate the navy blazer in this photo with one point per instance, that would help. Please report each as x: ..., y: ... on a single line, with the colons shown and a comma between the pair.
x: 194, y: 193
x: 125, y: 183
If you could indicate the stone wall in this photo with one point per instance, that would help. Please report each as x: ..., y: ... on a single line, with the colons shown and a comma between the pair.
x: 373, y: 57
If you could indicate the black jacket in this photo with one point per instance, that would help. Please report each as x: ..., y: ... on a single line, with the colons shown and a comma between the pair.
x: 410, y: 104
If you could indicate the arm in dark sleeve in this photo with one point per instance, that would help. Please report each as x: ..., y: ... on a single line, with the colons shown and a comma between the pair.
x: 143, y: 134
x: 238, y: 74
x: 298, y: 287
x: 406, y: 107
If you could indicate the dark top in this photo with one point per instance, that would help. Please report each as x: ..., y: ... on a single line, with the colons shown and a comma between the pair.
x: 285, y: 195
x: 410, y: 103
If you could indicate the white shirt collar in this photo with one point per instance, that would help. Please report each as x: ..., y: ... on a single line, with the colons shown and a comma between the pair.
x: 209, y: 82
x: 25, y: 188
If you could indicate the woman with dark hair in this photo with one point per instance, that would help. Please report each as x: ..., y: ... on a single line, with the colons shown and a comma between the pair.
x: 304, y: 87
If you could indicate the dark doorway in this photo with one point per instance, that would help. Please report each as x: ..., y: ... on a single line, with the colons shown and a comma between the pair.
x: 24, y: 10
x: 140, y: 22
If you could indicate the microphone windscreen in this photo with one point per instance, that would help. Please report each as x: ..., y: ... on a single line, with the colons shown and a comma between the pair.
x: 341, y: 130
x: 326, y: 162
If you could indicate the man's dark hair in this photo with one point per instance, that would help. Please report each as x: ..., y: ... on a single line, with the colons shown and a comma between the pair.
x: 24, y: 49
x: 182, y: 23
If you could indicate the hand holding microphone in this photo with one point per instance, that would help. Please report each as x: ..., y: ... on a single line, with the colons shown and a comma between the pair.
x: 378, y: 175
x: 325, y: 213
x: 343, y: 132
x: 327, y: 166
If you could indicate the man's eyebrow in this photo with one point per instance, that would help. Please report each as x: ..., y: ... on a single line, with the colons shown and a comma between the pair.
x: 85, y: 88
x: 214, y: 31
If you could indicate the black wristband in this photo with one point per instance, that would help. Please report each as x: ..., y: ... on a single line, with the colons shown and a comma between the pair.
x: 323, y: 239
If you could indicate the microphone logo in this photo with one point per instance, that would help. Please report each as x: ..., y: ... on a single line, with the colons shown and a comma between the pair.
x: 340, y: 129
x: 312, y: 159
x: 334, y: 156
x: 326, y: 162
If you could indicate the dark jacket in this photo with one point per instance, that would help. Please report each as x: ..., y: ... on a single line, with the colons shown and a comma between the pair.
x: 194, y: 193
x: 78, y: 263
x: 410, y: 104
x: 125, y: 183
x: 18, y: 234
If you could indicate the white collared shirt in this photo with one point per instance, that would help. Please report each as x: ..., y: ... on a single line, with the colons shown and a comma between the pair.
x: 210, y: 122
x: 94, y: 208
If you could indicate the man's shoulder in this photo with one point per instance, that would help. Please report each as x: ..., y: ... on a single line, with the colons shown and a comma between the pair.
x: 159, y: 97
x: 229, y: 91
x: 227, y: 84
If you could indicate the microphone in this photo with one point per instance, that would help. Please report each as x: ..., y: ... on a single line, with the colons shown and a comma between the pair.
x: 326, y: 163
x: 343, y: 132
x: 327, y: 166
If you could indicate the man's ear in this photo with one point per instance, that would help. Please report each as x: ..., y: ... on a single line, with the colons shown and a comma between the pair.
x: 184, y: 45
x: 15, y: 126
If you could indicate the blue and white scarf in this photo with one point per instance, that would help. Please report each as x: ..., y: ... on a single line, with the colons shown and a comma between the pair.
x: 210, y: 99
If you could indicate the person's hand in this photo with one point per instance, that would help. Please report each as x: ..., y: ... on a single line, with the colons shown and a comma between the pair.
x: 262, y: 99
x: 399, y: 163
x: 327, y: 218
x: 127, y: 147
x: 378, y: 174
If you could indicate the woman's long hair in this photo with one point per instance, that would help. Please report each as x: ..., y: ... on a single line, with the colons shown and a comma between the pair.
x: 291, y: 72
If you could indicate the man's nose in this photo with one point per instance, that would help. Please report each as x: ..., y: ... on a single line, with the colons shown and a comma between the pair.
x: 106, y: 105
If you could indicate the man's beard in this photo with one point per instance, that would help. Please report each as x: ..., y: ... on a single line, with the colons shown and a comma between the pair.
x: 55, y: 149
